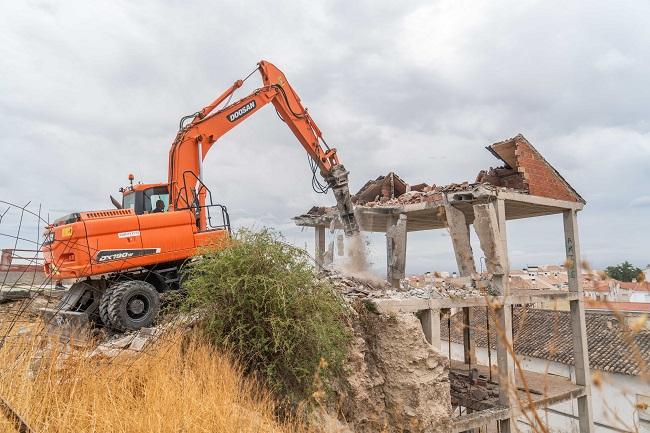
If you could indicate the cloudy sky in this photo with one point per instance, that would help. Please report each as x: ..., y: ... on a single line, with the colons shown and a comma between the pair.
x: 91, y: 91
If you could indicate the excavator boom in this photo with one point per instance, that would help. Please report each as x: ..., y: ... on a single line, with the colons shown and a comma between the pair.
x: 194, y: 140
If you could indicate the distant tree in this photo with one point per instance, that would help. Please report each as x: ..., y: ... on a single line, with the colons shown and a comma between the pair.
x: 623, y: 272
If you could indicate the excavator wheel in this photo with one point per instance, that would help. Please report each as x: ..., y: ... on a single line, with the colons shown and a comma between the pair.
x: 133, y: 305
x: 103, y: 306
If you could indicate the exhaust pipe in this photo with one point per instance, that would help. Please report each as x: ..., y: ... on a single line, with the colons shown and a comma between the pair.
x: 116, y: 203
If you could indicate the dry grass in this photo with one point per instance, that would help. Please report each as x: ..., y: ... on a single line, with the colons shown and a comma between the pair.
x: 179, y: 385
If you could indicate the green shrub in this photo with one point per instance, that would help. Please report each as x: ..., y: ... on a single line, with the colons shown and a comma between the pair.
x: 261, y: 300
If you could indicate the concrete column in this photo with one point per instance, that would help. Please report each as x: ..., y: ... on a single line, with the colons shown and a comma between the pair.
x: 490, y: 226
x: 430, y: 320
x: 396, y: 249
x: 391, y: 220
x: 459, y: 233
x: 486, y: 225
x: 319, y: 246
x: 469, y: 345
x: 578, y: 324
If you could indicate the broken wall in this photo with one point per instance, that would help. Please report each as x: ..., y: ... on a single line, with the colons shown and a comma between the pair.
x: 394, y: 381
x: 525, y: 164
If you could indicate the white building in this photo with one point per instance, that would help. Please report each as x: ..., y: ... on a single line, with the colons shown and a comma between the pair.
x: 617, y: 291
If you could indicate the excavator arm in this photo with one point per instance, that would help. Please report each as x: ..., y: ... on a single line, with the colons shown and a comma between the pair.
x: 195, y: 139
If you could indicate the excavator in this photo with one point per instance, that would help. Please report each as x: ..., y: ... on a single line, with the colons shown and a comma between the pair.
x: 123, y: 259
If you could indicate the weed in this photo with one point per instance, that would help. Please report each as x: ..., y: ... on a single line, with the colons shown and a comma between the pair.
x: 261, y: 300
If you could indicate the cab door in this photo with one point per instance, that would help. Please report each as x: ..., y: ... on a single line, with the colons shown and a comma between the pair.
x: 170, y: 233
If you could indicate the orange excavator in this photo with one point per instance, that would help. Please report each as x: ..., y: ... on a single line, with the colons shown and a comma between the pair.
x: 123, y: 259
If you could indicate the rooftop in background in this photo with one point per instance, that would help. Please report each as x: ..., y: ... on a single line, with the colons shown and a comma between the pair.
x: 611, y: 284
x: 546, y: 334
x: 633, y: 285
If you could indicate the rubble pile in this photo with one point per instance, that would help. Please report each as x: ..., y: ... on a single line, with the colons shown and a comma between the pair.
x: 357, y: 288
x: 382, y: 193
x: 354, y: 287
x: 392, y: 190
x: 133, y: 342
x: 523, y: 170
x: 503, y: 176
x: 318, y: 215
x: 473, y: 387
x: 381, y: 189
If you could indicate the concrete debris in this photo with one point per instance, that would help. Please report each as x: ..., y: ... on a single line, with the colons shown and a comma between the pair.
x: 391, y: 190
x: 319, y: 215
x: 428, y: 194
x: 502, y: 176
x: 120, y: 343
x: 382, y: 189
x: 112, y: 348
x: 8, y: 294
x: 356, y: 288
x: 477, y: 394
x: 353, y: 287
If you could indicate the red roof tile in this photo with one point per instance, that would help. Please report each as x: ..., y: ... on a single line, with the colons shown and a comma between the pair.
x: 546, y: 334
x: 642, y: 287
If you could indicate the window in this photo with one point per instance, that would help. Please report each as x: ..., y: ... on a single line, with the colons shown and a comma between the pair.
x: 151, y: 197
x: 128, y: 201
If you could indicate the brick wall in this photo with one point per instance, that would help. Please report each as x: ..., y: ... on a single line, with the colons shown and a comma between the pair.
x: 540, y: 177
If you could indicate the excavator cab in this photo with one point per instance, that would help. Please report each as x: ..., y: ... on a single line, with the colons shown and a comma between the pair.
x: 143, y: 198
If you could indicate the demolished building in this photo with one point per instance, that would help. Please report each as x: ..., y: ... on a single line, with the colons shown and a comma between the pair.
x: 525, y: 185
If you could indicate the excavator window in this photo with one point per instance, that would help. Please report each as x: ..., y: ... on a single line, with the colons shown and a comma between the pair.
x: 128, y: 201
x: 153, y: 195
x: 144, y: 201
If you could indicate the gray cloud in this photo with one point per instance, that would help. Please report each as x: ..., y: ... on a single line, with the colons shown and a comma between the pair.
x: 643, y: 201
x: 89, y: 94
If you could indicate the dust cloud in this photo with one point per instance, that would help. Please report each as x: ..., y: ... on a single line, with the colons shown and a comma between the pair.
x: 356, y: 263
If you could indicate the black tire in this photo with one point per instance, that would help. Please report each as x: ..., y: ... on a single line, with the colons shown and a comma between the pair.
x: 133, y: 305
x: 103, y: 306
x: 183, y: 273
